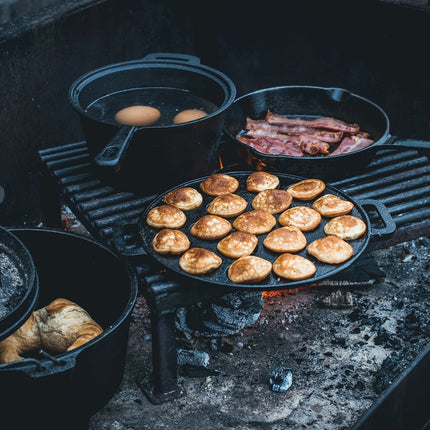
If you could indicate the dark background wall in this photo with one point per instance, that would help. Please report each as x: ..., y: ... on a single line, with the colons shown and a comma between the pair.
x: 375, y: 49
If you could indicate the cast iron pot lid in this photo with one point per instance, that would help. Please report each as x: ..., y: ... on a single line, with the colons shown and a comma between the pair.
x: 272, y: 282
x: 19, y: 286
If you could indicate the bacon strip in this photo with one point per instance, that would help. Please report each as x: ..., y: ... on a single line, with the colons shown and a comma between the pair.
x: 353, y: 143
x: 277, y: 134
x: 330, y: 123
x: 267, y: 145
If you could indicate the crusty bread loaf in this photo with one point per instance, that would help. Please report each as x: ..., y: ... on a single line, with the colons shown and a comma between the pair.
x: 59, y: 327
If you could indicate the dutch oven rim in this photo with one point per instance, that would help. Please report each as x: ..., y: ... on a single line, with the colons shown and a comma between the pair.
x: 30, y: 364
x: 194, y: 66
x: 382, y: 140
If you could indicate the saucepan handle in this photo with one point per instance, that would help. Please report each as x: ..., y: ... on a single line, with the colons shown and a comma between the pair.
x: 384, y: 215
x: 112, y: 154
x: 172, y: 57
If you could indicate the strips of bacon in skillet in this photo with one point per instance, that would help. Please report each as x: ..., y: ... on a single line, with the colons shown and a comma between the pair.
x: 279, y: 135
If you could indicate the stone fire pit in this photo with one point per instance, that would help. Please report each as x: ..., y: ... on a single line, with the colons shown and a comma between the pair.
x: 343, y: 344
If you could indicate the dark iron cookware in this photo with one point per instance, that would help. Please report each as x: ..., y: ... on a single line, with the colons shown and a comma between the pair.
x: 219, y: 276
x: 148, y: 159
x: 19, y: 284
x: 63, y: 391
x: 309, y: 102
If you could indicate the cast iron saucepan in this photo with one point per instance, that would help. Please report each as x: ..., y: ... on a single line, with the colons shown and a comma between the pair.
x: 148, y: 159
x: 272, y: 282
x: 309, y: 102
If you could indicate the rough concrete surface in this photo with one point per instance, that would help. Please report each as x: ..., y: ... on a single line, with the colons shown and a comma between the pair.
x: 341, y: 358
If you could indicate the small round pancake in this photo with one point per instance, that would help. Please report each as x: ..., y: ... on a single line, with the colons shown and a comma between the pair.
x: 186, y: 198
x: 237, y: 244
x: 273, y: 201
x: 210, y: 227
x: 170, y: 241
x: 330, y: 206
x: 198, y: 261
x: 285, y: 239
x: 227, y: 205
x: 250, y: 269
x: 256, y: 222
x: 260, y: 181
x: 166, y: 216
x: 219, y: 184
x: 307, y: 189
x: 302, y: 217
x: 293, y: 267
x: 330, y: 249
x: 347, y: 227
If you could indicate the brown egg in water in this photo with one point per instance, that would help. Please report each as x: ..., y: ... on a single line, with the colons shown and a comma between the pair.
x: 137, y: 115
x: 188, y: 115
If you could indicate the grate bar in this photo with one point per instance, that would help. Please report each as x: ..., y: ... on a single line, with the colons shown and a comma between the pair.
x: 104, y: 201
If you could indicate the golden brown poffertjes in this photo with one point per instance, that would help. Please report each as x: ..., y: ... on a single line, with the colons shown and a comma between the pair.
x: 285, y: 239
x: 302, y: 217
x: 273, y: 201
x: 210, y: 227
x: 255, y: 222
x: 347, y: 227
x: 170, y: 241
x: 166, y: 216
x: 331, y: 250
x: 307, y: 189
x: 248, y: 270
x: 227, y: 205
x: 237, y: 244
x: 219, y: 184
x: 198, y: 261
x: 330, y: 206
x: 59, y: 327
x: 260, y: 181
x: 293, y: 267
x: 185, y: 198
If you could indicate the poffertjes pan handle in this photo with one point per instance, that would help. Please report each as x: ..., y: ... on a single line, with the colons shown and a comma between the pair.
x: 384, y: 215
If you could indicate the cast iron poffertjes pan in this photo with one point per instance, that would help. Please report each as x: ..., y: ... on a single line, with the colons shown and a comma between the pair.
x: 272, y: 282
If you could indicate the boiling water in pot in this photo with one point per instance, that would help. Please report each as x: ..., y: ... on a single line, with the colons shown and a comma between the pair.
x: 169, y: 101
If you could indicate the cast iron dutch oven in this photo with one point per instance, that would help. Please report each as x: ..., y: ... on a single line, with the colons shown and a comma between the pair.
x: 272, y: 282
x: 63, y: 391
x: 19, y: 284
x: 310, y: 102
x: 148, y: 159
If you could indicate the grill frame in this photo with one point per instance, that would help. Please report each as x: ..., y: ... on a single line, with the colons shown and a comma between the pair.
x: 111, y: 216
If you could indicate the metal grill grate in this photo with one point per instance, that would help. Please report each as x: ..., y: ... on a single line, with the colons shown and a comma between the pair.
x: 399, y: 179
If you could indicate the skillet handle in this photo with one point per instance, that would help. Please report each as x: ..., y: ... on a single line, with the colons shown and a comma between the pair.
x: 384, y: 215
x: 112, y: 154
x: 172, y: 57
x: 403, y: 143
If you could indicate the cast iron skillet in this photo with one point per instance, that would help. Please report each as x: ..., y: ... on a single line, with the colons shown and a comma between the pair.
x: 272, y: 282
x: 309, y: 102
